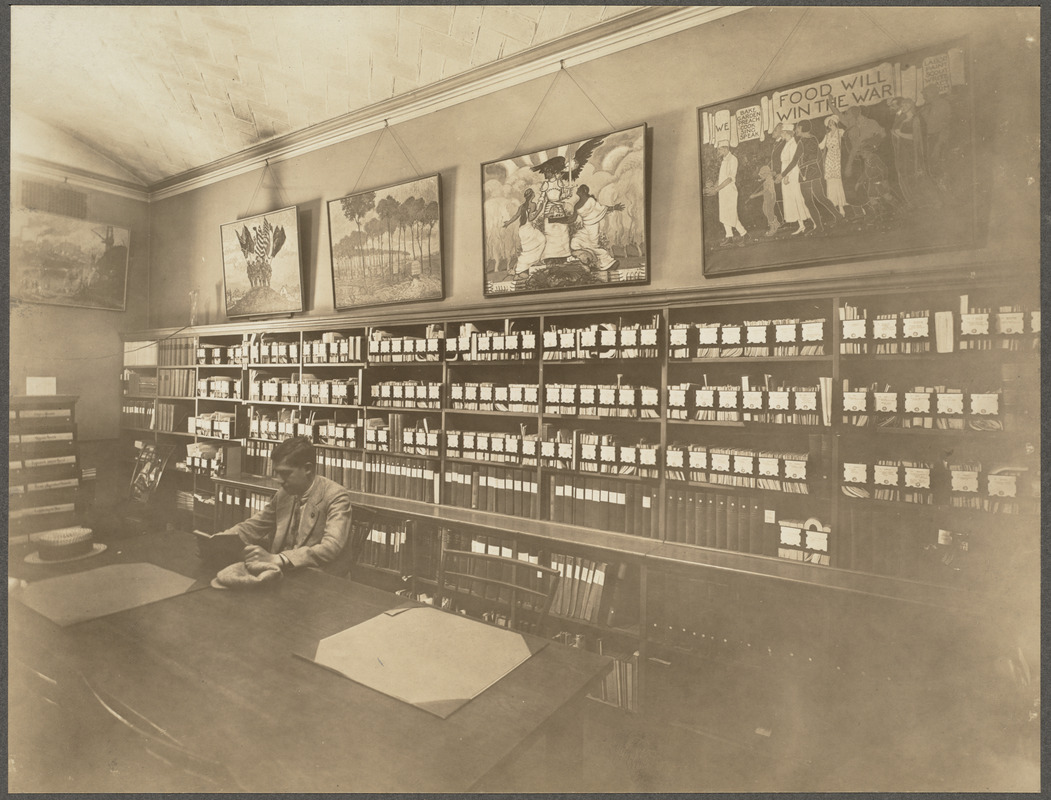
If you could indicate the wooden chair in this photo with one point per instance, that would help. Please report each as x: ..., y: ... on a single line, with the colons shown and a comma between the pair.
x: 504, y: 591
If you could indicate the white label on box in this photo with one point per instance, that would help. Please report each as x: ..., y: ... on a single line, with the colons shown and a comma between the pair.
x: 752, y: 400
x: 501, y: 394
x: 589, y: 452
x: 452, y: 344
x: 964, y: 481
x: 626, y: 396
x: 528, y: 341
x: 916, y: 327
x: 855, y: 401
x: 608, y: 452
x: 777, y: 401
x: 886, y: 402
x: 985, y: 404
x: 785, y: 332
x: 708, y: 334
x: 806, y: 401
x: 854, y: 328
x: 1003, y: 486
x: 917, y: 403
x: 589, y: 338
x: 648, y: 337
x: 629, y: 337
x: 884, y: 328
x: 607, y: 396
x: 567, y: 340
x: 629, y: 454
x: 481, y: 441
x: 468, y: 441
x: 855, y: 473
x: 817, y: 540
x: 550, y: 340
x: 529, y: 447
x: 587, y: 395
x: 949, y: 403
x: 768, y: 466
x: 547, y: 449
x: 756, y: 334
x: 720, y: 462
x: 530, y: 394
x: 791, y: 535
x: 731, y: 334
x: 795, y: 470
x: 727, y: 398
x: 885, y: 475
x: 485, y: 343
x: 974, y: 324
x: 565, y: 449
x: 647, y: 456
x: 650, y: 396
x: 677, y: 337
x: 677, y: 398
x: 744, y: 465
x: 698, y: 459
x: 704, y: 398
x: 813, y: 331
x: 607, y: 337
x: 552, y: 394
x: 485, y: 393
x: 675, y: 459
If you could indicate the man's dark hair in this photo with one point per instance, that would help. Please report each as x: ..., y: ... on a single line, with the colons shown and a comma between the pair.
x: 296, y: 452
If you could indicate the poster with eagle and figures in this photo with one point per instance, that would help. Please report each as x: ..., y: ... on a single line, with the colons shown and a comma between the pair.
x: 568, y: 217
x: 261, y: 264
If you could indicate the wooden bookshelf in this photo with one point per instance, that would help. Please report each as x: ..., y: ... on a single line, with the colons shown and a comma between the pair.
x: 766, y: 386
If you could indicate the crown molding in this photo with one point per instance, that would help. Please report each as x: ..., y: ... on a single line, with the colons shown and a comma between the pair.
x: 622, y: 33
x: 74, y: 176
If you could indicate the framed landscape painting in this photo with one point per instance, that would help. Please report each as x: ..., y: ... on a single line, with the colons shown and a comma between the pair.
x: 868, y: 162
x: 573, y: 216
x: 387, y: 245
x: 262, y: 274
x: 68, y: 262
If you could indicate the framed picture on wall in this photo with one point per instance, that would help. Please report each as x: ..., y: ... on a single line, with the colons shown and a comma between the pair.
x: 262, y: 274
x: 869, y: 162
x: 386, y: 245
x: 68, y: 262
x: 573, y: 216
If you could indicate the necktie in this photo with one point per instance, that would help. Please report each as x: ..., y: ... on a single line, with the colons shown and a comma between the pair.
x: 293, y: 526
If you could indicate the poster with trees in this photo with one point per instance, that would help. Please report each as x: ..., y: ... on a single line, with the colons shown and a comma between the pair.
x: 569, y: 217
x: 387, y: 245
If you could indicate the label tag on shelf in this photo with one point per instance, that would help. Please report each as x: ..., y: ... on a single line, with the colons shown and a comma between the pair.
x: 777, y: 401
x: 1003, y: 486
x: 884, y: 328
x: 855, y: 473
x: 856, y: 401
x: 974, y: 324
x: 886, y: 402
x: 964, y: 481
x: 916, y: 327
x: 917, y: 403
x: 885, y: 474
x: 854, y: 328
x: 785, y: 332
x: 985, y: 404
x: 950, y: 403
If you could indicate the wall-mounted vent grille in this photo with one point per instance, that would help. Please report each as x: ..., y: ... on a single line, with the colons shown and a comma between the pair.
x: 54, y: 199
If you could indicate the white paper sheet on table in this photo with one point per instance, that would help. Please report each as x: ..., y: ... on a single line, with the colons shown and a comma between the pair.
x: 82, y: 596
x: 432, y: 659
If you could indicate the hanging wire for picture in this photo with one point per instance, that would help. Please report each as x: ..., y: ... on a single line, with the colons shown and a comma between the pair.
x: 280, y: 193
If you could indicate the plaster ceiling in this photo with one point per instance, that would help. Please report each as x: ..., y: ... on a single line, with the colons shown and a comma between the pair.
x: 160, y: 90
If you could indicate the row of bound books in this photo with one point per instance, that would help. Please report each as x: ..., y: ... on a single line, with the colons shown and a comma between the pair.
x: 580, y: 586
x: 397, y: 476
x: 177, y: 352
x: 714, y: 519
x: 238, y: 503
x: 500, y: 490
x: 605, y: 503
x: 345, y: 468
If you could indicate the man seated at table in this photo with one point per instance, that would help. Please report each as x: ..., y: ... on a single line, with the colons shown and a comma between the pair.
x: 305, y: 524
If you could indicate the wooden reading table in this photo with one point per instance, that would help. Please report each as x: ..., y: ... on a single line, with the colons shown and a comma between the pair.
x: 213, y: 670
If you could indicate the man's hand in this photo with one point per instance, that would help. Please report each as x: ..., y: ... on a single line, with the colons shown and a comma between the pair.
x: 257, y: 559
